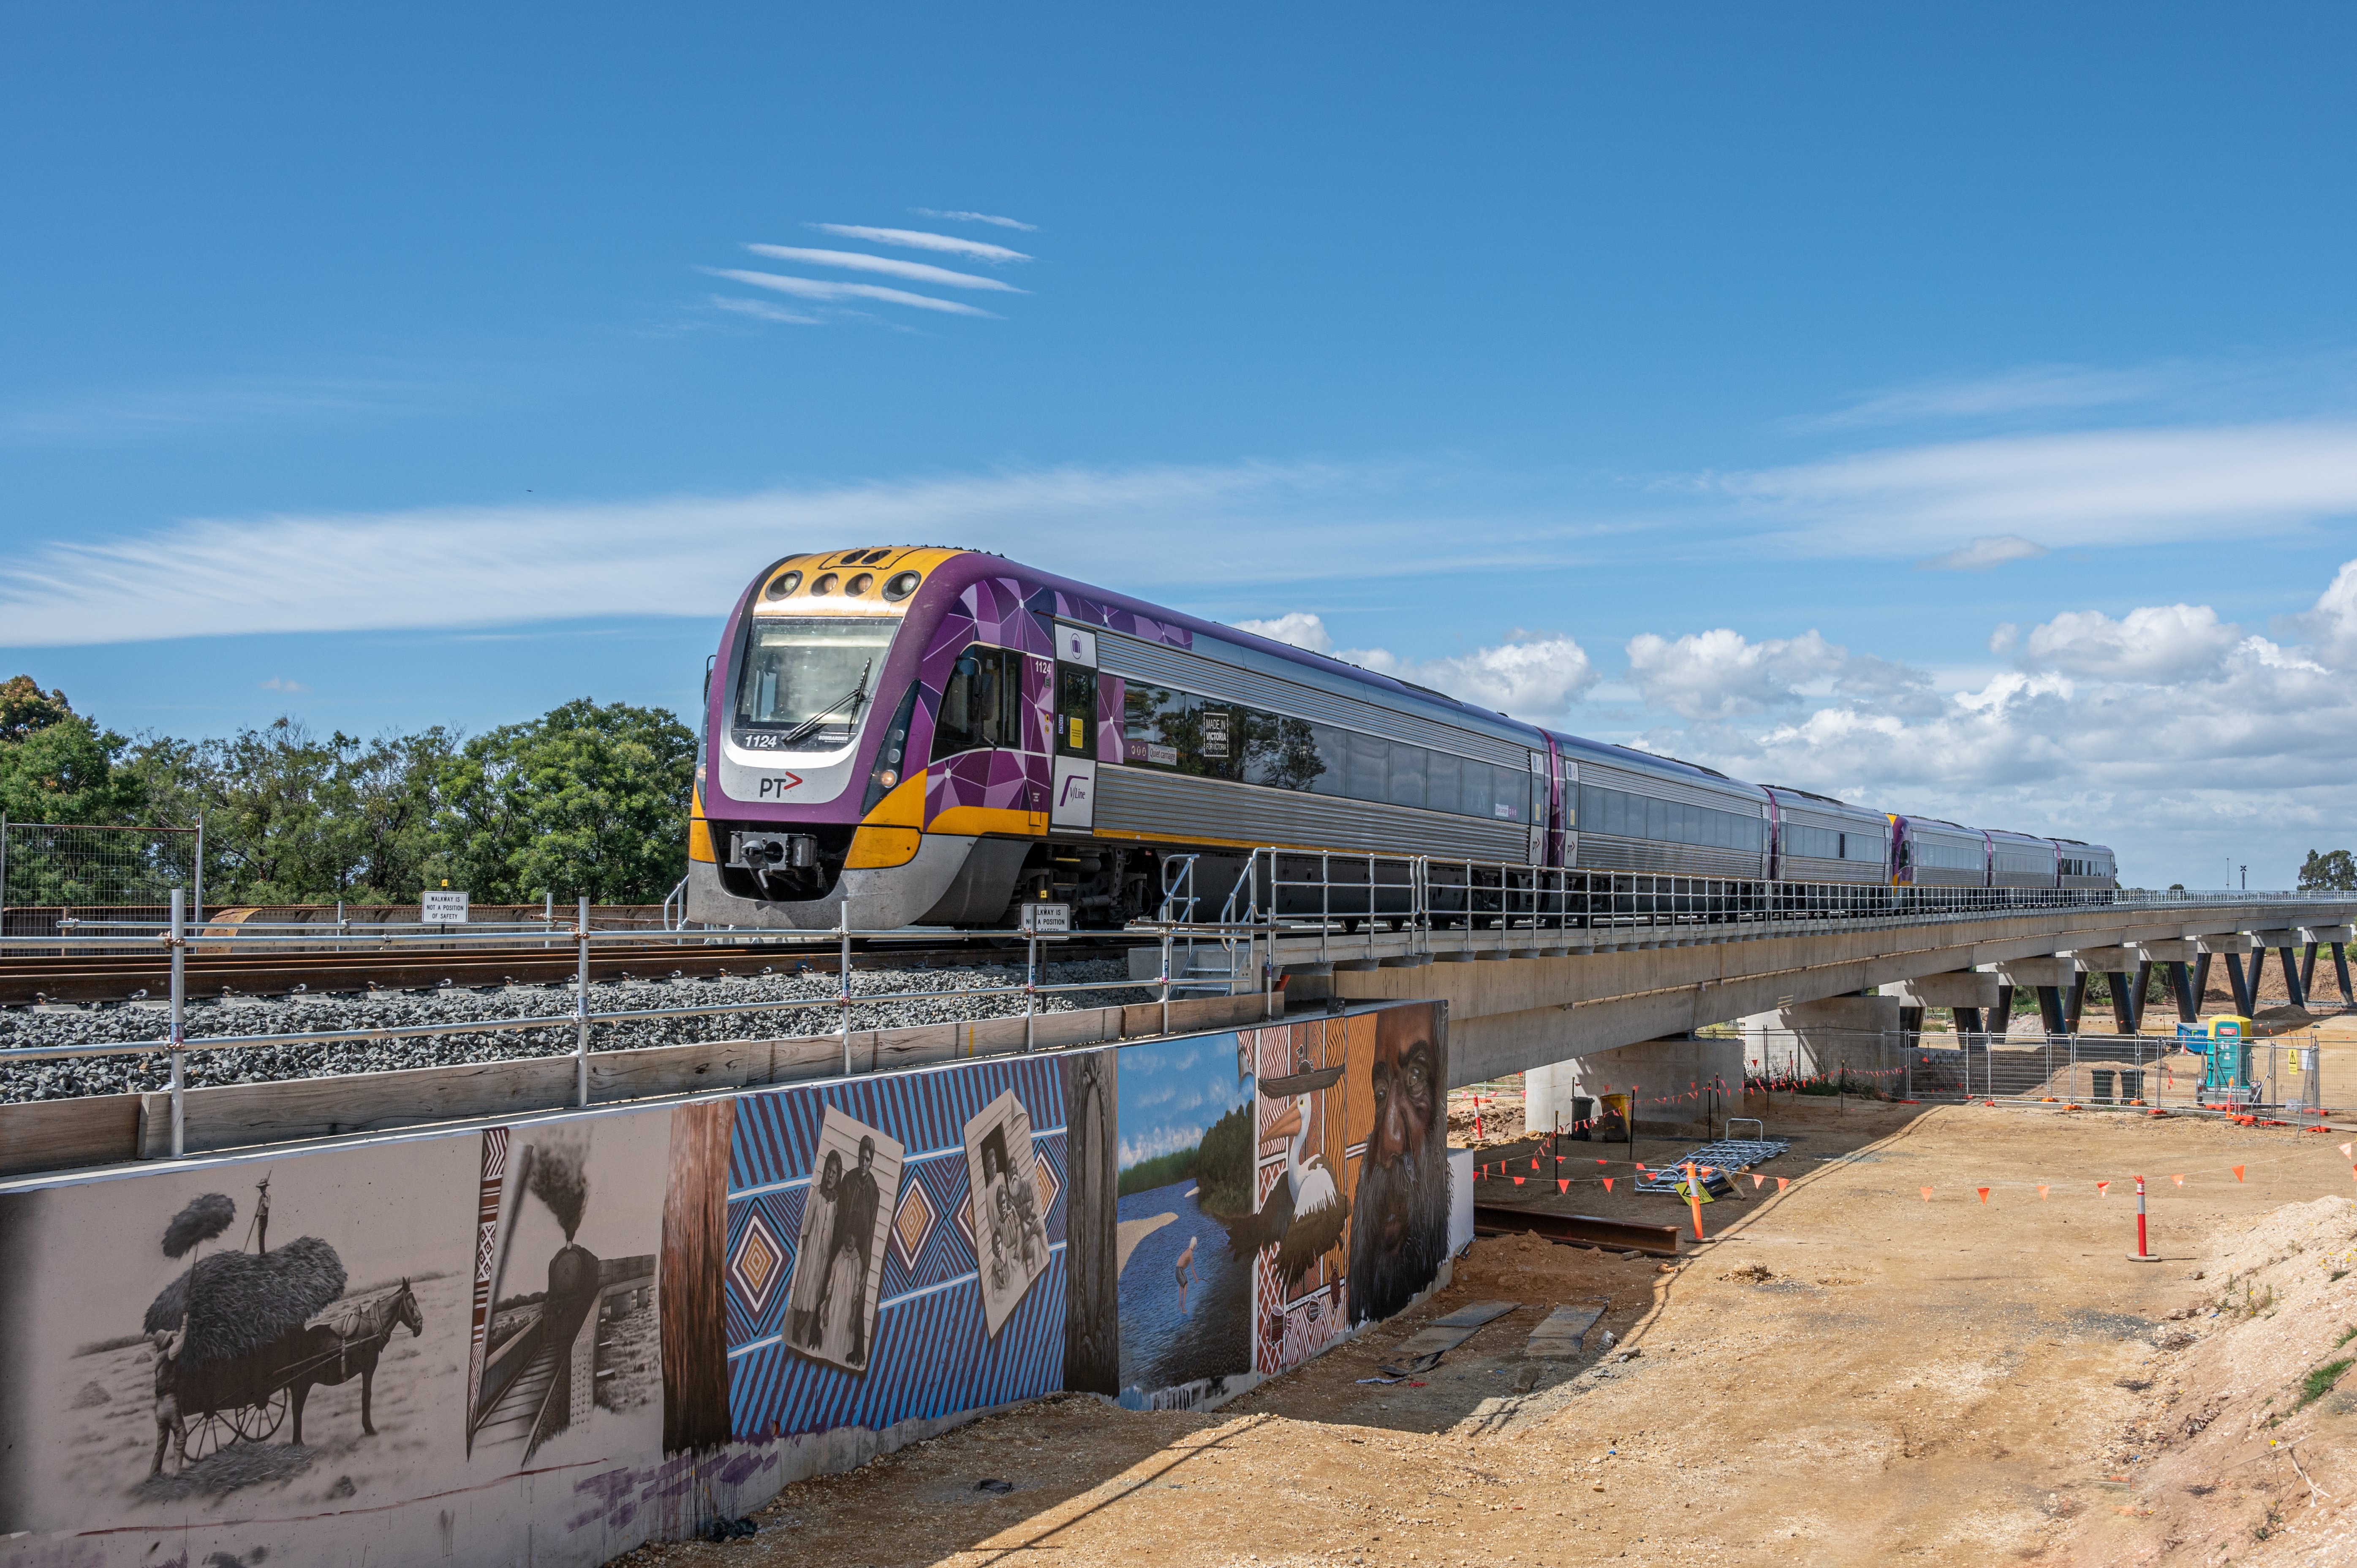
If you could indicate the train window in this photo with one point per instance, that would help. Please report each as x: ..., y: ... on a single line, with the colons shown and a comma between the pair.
x: 1444, y: 776
x: 810, y: 678
x: 981, y: 703
x: 1407, y: 775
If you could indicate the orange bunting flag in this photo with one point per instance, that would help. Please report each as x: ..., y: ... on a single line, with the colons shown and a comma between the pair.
x: 1519, y: 1181
x: 2103, y: 1189
x: 2041, y: 1194
x: 1756, y: 1180
x: 1534, y: 1165
x: 1562, y: 1184
x: 1638, y: 1163
x: 2238, y: 1173
x: 1608, y: 1183
x: 1984, y: 1192
x: 1927, y: 1195
x: 2177, y: 1180
x: 2344, y: 1150
x: 2353, y: 1172
x: 1784, y: 1182
x: 1600, y: 1162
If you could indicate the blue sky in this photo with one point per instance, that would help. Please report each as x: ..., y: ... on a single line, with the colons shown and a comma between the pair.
x: 1957, y: 413
x: 1170, y: 1095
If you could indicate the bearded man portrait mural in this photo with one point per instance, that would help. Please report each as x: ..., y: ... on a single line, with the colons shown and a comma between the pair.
x: 1399, y: 1207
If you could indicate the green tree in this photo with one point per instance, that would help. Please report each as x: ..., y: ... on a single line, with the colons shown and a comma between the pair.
x: 56, y: 766
x: 582, y: 800
x: 2333, y: 872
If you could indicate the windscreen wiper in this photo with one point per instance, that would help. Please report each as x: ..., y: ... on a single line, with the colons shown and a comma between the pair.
x: 812, y: 725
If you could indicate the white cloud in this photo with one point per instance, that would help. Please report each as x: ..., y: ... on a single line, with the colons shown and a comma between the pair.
x: 762, y: 310
x: 2031, y: 389
x: 1984, y: 552
x: 1299, y: 628
x: 810, y: 288
x: 688, y: 555
x: 2116, y: 487
x: 1531, y: 678
x: 280, y: 683
x: 853, y: 261
x: 917, y: 240
x: 991, y: 217
x: 100, y: 418
x: 2155, y: 644
x: 2167, y: 733
x: 1719, y: 674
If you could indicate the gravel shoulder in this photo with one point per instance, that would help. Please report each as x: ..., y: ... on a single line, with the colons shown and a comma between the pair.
x: 961, y: 1000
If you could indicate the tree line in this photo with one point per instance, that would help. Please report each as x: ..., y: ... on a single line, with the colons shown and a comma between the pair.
x: 583, y: 800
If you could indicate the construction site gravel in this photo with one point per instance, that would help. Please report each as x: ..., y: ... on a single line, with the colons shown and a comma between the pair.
x: 1879, y: 1363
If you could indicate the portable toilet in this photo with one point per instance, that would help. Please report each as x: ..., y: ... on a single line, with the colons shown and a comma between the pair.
x: 2226, y: 1040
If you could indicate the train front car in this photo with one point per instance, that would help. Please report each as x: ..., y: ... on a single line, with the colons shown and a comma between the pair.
x: 828, y: 693
x: 938, y: 736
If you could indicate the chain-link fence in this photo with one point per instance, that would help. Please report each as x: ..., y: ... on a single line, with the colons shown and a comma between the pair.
x: 55, y: 873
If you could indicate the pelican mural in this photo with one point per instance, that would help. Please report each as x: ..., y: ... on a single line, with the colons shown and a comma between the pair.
x: 1304, y: 1213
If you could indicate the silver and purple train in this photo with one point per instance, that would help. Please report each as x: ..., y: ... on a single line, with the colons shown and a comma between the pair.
x: 940, y: 736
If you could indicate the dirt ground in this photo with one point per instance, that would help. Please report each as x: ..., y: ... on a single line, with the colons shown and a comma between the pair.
x: 1847, y: 1373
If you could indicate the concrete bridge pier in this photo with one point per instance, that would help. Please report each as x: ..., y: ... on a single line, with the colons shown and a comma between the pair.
x: 2285, y: 944
x: 2061, y: 987
x: 2337, y: 938
x: 1649, y: 1070
x: 1864, y: 1034
x: 2184, y: 989
x: 1965, y: 992
x: 2246, y: 983
x: 2125, y: 974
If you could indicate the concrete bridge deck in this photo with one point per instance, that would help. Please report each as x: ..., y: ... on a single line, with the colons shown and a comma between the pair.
x: 1524, y: 998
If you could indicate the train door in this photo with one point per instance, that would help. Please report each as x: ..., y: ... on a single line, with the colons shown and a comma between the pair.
x: 1542, y: 788
x: 1072, y: 808
x: 1563, y: 823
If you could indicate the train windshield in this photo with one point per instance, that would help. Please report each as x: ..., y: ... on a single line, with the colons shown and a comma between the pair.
x: 804, y: 680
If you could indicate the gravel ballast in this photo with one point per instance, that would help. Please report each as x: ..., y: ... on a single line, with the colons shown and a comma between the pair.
x: 72, y: 1077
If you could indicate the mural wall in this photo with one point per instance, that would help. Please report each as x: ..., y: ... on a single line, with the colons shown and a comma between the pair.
x: 553, y: 1341
x: 895, y: 1248
x: 1278, y: 1188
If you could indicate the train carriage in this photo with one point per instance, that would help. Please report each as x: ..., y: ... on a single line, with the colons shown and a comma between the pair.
x: 1929, y: 853
x: 898, y: 735
x: 2018, y: 860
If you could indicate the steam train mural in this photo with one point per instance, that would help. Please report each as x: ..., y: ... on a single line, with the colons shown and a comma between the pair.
x: 939, y: 736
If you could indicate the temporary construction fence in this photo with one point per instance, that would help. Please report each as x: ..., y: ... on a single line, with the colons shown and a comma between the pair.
x: 98, y: 867
x: 2286, y: 1073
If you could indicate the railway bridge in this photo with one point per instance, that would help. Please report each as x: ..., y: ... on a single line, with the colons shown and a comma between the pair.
x: 1572, y: 1008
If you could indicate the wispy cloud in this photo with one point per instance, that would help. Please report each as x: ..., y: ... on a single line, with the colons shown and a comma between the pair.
x: 812, y: 288
x: 1993, y: 549
x: 687, y: 555
x: 762, y: 310
x: 106, y: 418
x: 918, y: 239
x: 2032, y: 389
x: 280, y: 683
x: 2096, y: 487
x: 991, y: 218
x: 854, y: 260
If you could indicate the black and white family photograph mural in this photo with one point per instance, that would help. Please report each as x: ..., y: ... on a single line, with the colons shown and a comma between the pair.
x: 839, y: 1253
x: 1010, y: 1236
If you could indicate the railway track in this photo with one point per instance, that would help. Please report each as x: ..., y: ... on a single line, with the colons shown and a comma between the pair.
x: 124, y: 977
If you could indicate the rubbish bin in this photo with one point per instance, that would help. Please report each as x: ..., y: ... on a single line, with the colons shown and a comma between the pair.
x: 2131, y: 1086
x: 2102, y: 1076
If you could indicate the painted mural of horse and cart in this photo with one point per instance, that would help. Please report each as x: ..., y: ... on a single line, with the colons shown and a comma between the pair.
x: 240, y: 1338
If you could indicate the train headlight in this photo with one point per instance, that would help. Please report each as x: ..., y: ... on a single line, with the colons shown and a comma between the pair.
x: 781, y: 587
x: 888, y: 777
x: 860, y: 585
x: 901, y: 585
x: 825, y: 584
